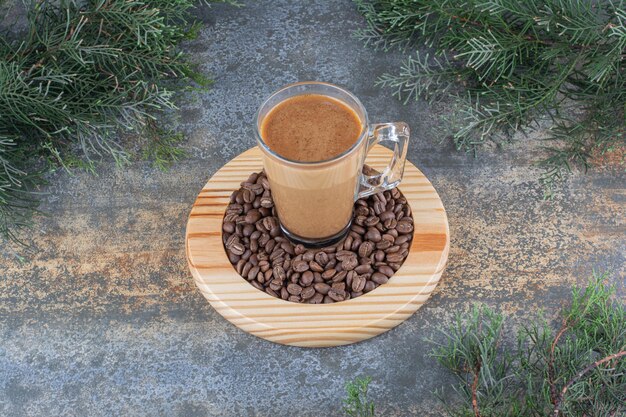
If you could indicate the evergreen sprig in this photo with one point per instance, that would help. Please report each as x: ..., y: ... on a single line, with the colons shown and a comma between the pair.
x: 575, y: 366
x: 510, y: 64
x: 82, y: 72
x: 357, y: 403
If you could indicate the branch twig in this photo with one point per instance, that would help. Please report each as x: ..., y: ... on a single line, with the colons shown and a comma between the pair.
x: 475, y: 389
x: 557, y: 406
x: 551, y: 371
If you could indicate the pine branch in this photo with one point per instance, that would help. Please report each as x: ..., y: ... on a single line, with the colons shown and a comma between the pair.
x: 520, y: 62
x: 83, y: 73
x: 579, y: 370
x: 559, y: 399
x: 357, y: 404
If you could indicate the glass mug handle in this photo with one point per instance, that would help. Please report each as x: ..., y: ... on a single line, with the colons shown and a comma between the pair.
x: 374, y: 182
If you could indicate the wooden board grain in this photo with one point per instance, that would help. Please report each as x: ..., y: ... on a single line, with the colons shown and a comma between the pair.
x: 315, y: 325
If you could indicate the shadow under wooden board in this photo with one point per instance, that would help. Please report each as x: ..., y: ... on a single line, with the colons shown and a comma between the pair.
x: 316, y: 325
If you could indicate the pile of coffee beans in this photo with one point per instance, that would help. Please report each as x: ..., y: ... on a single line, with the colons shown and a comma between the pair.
x: 376, y: 246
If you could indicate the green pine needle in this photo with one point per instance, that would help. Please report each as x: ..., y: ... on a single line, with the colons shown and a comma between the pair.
x: 82, y: 73
x: 357, y: 404
x: 573, y: 366
x: 510, y: 64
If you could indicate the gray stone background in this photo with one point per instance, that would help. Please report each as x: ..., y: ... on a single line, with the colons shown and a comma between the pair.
x: 103, y: 319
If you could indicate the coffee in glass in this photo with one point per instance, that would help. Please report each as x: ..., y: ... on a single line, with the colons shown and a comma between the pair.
x: 314, y: 137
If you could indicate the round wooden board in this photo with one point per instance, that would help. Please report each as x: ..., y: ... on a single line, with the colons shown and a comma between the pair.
x: 315, y: 325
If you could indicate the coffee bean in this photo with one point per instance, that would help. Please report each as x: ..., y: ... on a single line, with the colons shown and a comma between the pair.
x: 404, y: 227
x: 269, y: 223
x: 300, y: 265
x: 307, y: 278
x: 347, y: 244
x: 317, y: 299
x: 278, y: 252
x: 379, y: 278
x: 342, y: 255
x: 264, y: 265
x: 362, y: 211
x: 360, y: 220
x: 358, y: 283
x: 383, y: 244
x: 365, y: 249
x: 389, y: 237
x: 395, y: 257
x: 369, y: 286
x: 237, y: 248
x: 387, y: 215
x: 379, y: 207
x: 276, y: 284
x: 264, y: 239
x: 270, y: 245
x: 338, y: 286
x: 402, y: 239
x: 266, y: 200
x: 363, y: 269
x: 321, y: 288
x: 358, y: 229
x: 327, y: 300
x: 385, y: 270
x: 340, y: 276
x: 228, y: 227
x: 231, y: 217
x: 248, y: 196
x: 264, y: 183
x: 275, y: 231
x: 379, y: 255
x: 395, y: 265
x: 288, y: 248
x: 373, y: 234
x: 279, y: 272
x: 336, y: 295
x: 233, y: 258
x: 232, y: 239
x: 272, y: 292
x: 294, y: 299
x: 390, y: 224
x: 253, y: 273
x: 371, y: 221
x: 284, y: 294
x: 294, y: 289
x: 321, y: 258
x: 307, y: 293
x: 349, y: 264
x: 392, y: 249
x: 256, y: 285
x: 299, y: 249
x: 308, y: 256
x: 317, y: 277
x: 329, y: 273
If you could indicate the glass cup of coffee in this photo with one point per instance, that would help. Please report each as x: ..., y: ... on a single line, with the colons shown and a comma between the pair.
x: 314, y: 137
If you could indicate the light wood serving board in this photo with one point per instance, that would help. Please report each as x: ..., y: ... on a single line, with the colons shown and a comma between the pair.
x: 315, y: 325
